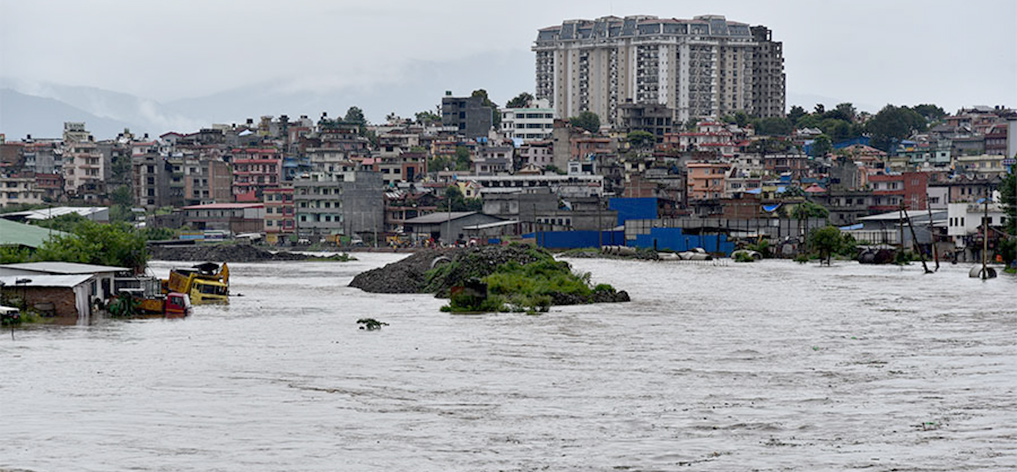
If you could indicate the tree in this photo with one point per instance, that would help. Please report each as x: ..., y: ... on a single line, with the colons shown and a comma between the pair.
x: 68, y: 223
x: 930, y: 112
x: 463, y: 160
x: 821, y: 146
x: 495, y: 116
x: 819, y: 109
x: 426, y: 118
x: 455, y: 197
x: 520, y: 101
x: 116, y: 245
x: 587, y: 120
x: 640, y: 139
x: 806, y: 210
x: 796, y: 114
x: 825, y: 241
x: 1008, y: 198
x: 123, y: 196
x: 355, y: 115
x: 893, y: 124
x: 773, y: 126
x: 843, y: 111
x: 769, y: 146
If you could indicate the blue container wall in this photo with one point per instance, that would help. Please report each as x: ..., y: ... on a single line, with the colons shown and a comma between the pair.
x: 633, y: 208
x: 577, y: 239
x: 674, y: 239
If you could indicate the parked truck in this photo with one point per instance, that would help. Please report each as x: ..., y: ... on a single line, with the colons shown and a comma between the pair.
x: 143, y: 295
x: 205, y: 283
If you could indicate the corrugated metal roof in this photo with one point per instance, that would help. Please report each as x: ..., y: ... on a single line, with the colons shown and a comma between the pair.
x: 20, y: 234
x: 68, y: 281
x: 63, y: 267
x: 492, y: 225
x: 224, y: 206
x: 57, y: 211
x: 439, y: 217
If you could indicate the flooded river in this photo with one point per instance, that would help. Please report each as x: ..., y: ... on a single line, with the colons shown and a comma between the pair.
x: 768, y: 366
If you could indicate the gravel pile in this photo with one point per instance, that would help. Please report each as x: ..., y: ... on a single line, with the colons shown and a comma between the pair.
x: 407, y: 275
x: 220, y: 253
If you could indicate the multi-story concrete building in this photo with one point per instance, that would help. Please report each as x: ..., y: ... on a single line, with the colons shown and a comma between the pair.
x: 532, y: 123
x: 468, y: 115
x: 236, y: 218
x: 18, y: 191
x: 893, y: 190
x: 706, y: 180
x: 703, y: 67
x: 200, y: 179
x: 653, y: 118
x: 151, y: 175
x: 279, y: 213
x: 254, y: 170
x: 84, y: 169
x: 343, y: 203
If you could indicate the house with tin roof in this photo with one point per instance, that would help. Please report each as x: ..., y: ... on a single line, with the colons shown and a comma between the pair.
x: 20, y: 235
x: 64, y: 289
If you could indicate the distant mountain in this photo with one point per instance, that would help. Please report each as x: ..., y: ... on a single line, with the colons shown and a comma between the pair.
x: 139, y: 114
x: 22, y: 115
x: 41, y: 108
x: 417, y: 88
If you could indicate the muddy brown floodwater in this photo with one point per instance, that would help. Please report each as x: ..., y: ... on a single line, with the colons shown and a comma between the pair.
x: 767, y: 366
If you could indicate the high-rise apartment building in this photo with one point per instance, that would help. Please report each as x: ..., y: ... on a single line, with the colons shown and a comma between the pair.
x: 703, y: 67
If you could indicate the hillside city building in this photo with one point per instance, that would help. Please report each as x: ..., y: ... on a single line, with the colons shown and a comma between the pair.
x: 704, y: 67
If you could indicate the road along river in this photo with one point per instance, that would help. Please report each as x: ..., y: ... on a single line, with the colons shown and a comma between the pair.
x: 765, y: 366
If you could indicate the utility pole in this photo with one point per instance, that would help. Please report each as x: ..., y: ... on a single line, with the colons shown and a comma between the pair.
x: 600, y: 226
x: 932, y: 234
x: 985, y: 233
x: 914, y: 239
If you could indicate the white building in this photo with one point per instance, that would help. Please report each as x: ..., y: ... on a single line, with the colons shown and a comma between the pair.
x: 533, y: 123
x: 965, y: 219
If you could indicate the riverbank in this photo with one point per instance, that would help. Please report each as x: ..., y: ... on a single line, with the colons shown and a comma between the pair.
x: 232, y: 253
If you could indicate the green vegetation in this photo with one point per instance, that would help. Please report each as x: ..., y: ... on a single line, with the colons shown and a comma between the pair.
x: 805, y: 210
x: 118, y: 245
x: 341, y: 257
x: 762, y: 247
x: 520, y: 101
x: 370, y: 324
x: 513, y: 286
x: 904, y: 257
x: 825, y: 242
x: 822, y: 146
x: 454, y: 197
x: 124, y: 306
x: 773, y: 126
x: 1008, y: 198
x: 587, y: 120
x: 639, y: 139
x: 743, y: 257
x: 893, y: 124
x: 427, y: 118
x: 495, y: 116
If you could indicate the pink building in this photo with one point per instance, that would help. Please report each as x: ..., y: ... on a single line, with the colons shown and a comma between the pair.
x: 255, y: 170
x: 706, y: 180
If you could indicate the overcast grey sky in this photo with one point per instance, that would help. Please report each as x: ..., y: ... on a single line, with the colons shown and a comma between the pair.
x: 951, y: 53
